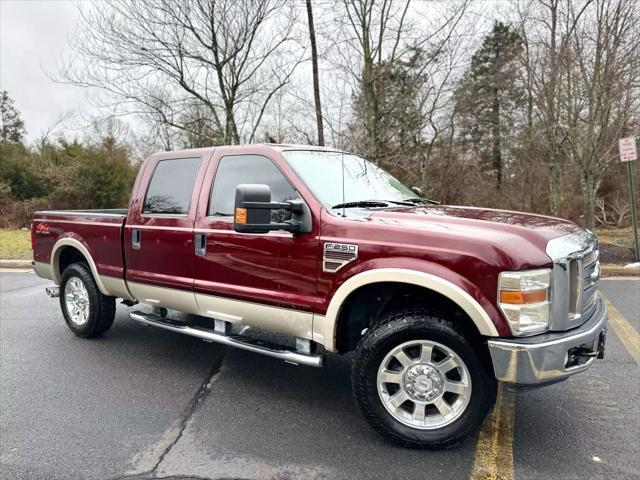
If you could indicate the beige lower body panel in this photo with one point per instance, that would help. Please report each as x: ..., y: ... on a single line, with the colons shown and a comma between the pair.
x: 319, y: 332
x: 172, y: 298
x: 43, y: 270
x: 116, y: 287
x: 281, y: 320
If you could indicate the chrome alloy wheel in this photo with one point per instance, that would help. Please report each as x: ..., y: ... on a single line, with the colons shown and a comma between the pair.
x: 424, y: 384
x: 76, y: 299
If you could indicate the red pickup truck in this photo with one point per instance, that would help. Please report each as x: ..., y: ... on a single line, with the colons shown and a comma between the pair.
x: 438, y: 302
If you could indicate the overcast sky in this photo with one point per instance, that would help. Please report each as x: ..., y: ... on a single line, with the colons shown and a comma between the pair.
x: 33, y: 36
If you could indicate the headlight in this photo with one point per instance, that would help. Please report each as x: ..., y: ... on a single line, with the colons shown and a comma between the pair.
x: 524, y: 299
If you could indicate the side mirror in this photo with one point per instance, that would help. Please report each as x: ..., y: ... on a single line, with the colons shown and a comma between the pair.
x: 418, y: 191
x: 253, y: 207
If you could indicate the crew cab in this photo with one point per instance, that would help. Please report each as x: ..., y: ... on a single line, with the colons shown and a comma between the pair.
x: 438, y: 303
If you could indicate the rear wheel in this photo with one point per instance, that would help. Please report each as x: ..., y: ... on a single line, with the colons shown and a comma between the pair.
x: 419, y: 381
x: 87, y: 312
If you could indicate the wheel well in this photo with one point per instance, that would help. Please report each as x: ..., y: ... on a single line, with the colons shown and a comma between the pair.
x: 366, y: 305
x: 68, y: 256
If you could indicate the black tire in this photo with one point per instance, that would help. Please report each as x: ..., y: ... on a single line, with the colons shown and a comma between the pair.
x: 102, y: 309
x: 396, y: 328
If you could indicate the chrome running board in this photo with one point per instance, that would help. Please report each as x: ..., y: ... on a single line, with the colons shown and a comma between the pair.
x: 239, y: 341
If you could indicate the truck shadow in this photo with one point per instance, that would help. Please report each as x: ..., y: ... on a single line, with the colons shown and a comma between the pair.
x: 263, y: 415
x: 262, y: 411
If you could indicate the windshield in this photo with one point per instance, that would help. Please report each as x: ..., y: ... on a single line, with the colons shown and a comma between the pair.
x: 322, y: 173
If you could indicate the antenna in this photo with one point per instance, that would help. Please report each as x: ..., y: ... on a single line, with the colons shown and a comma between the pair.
x: 344, y: 209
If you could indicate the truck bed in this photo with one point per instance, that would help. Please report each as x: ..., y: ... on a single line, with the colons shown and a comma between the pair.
x: 100, y: 232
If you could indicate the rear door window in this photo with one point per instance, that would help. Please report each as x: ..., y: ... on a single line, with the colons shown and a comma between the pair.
x: 171, y: 186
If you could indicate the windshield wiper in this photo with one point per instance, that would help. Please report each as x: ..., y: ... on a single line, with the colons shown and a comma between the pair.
x: 415, y: 200
x: 362, y: 204
x: 408, y: 203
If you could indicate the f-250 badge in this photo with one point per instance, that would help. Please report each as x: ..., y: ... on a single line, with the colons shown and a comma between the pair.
x: 337, y: 255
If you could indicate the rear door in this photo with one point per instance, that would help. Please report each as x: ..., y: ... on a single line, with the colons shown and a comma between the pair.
x: 266, y: 280
x: 159, y: 238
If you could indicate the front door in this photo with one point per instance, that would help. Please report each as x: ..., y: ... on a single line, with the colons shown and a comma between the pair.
x: 265, y: 280
x: 159, y: 242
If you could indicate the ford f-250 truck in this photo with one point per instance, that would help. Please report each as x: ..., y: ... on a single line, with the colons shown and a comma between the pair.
x: 439, y: 303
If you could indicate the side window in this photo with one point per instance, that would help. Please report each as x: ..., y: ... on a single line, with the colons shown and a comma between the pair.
x: 171, y: 186
x: 235, y: 170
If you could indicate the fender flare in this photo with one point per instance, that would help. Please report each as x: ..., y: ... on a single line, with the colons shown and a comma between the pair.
x: 325, y: 328
x: 78, y: 245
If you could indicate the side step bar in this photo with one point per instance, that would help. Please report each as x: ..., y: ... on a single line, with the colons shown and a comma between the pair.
x: 239, y: 341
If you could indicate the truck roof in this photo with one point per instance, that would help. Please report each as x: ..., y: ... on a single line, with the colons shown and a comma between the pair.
x: 280, y: 147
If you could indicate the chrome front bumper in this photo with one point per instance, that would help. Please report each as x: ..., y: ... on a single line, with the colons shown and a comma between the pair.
x: 551, y: 357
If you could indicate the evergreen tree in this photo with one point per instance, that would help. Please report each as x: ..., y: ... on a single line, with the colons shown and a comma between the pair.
x: 396, y: 112
x: 11, y: 125
x: 489, y: 95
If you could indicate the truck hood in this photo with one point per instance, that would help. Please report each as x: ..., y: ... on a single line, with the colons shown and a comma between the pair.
x: 483, y: 218
x: 513, y: 231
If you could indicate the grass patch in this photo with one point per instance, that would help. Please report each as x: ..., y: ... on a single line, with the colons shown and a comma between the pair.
x: 622, y: 236
x: 15, y: 245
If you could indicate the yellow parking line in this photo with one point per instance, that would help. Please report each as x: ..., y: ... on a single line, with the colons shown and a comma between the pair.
x: 493, y: 459
x: 625, y: 332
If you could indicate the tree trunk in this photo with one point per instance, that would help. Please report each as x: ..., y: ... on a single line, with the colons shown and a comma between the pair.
x: 316, y: 78
x: 231, y: 134
x: 496, y: 153
x: 370, y: 110
x: 589, y: 190
x: 554, y: 188
x: 589, y: 208
x: 550, y: 104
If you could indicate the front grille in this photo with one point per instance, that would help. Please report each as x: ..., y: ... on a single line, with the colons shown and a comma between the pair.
x: 591, y: 277
x: 576, y: 272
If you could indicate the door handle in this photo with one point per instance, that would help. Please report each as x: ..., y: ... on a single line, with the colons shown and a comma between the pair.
x: 201, y: 244
x: 136, y: 238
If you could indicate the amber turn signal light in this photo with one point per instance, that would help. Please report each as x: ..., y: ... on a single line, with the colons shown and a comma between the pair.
x: 515, y: 297
x: 241, y: 216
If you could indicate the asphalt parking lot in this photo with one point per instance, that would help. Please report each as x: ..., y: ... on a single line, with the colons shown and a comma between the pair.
x: 146, y: 403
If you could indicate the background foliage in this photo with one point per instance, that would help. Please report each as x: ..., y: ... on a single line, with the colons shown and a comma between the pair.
x: 513, y: 104
x: 61, y: 174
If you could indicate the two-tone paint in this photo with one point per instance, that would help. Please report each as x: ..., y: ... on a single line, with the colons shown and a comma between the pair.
x: 276, y: 280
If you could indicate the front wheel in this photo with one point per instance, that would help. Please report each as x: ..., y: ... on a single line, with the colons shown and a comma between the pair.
x: 86, y: 310
x: 419, y: 381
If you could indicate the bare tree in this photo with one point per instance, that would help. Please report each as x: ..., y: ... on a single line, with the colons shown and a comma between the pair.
x: 601, y: 89
x: 403, y: 58
x: 378, y: 28
x: 583, y: 65
x: 163, y: 59
x: 548, y: 31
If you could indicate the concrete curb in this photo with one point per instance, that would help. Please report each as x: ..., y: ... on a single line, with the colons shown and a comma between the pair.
x: 15, y: 263
x: 619, y: 271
